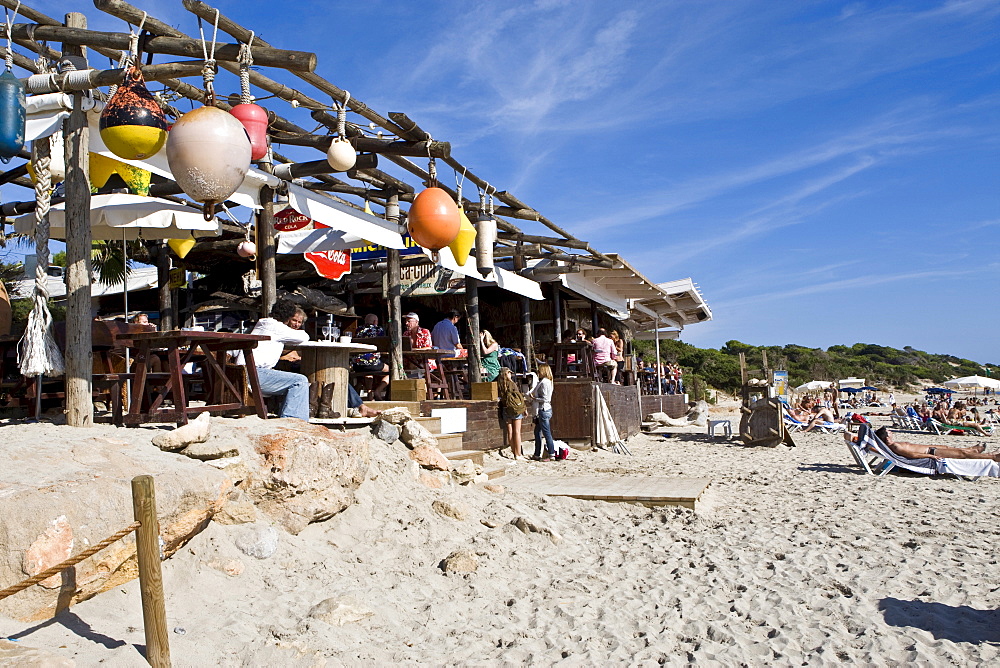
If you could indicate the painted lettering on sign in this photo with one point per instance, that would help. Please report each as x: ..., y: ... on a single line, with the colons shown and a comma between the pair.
x: 332, y: 264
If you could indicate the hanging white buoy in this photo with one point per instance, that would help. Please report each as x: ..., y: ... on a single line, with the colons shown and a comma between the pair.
x: 208, y: 151
x: 341, y: 155
x: 486, y: 238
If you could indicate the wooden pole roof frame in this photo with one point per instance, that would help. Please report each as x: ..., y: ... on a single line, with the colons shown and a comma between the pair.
x: 407, y: 139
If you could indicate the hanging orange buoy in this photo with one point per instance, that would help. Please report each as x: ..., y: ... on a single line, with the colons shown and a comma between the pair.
x: 132, y: 124
x: 434, y: 220
x: 209, y: 154
x: 464, y: 241
x: 254, y: 119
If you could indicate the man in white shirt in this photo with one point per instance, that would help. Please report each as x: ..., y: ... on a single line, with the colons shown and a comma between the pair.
x: 283, y: 326
x: 445, y: 333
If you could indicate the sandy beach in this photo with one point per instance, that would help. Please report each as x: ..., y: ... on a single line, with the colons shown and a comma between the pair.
x: 793, y: 557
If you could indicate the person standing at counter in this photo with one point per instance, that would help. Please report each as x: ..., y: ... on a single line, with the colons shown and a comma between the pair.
x: 445, y: 333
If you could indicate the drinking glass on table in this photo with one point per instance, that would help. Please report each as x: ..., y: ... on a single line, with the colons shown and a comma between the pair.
x: 326, y: 332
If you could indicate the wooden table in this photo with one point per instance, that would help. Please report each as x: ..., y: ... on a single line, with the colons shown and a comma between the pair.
x: 180, y: 347
x: 330, y: 362
x: 435, y: 378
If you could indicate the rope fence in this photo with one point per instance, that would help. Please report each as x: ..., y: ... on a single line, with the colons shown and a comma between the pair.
x: 147, y: 548
x: 69, y: 563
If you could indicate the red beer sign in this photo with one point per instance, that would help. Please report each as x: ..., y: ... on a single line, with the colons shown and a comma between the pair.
x: 290, y: 220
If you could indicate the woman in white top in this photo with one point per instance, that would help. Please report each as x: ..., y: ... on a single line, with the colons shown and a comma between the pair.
x: 541, y: 394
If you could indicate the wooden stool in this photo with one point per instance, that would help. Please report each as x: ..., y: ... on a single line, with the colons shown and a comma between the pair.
x: 583, y: 362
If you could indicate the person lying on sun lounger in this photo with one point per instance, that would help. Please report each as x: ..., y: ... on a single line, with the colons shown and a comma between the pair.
x: 919, y: 451
x: 819, y: 414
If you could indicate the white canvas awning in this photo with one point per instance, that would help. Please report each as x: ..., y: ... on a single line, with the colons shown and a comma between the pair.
x: 507, y: 280
x: 347, y: 227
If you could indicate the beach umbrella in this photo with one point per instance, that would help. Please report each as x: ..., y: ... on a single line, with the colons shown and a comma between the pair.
x: 119, y: 216
x: 850, y: 390
x: 938, y: 390
x: 869, y: 388
x: 813, y: 385
x: 972, y: 382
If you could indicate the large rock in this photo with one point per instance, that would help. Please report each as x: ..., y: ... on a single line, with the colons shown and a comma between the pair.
x: 396, y: 415
x: 63, y: 489
x: 416, y: 435
x: 301, y: 473
x: 385, y: 431
x: 430, y: 457
x: 460, y: 561
x: 195, y: 431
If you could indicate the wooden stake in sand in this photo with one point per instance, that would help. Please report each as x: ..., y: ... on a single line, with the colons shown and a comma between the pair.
x: 147, y: 547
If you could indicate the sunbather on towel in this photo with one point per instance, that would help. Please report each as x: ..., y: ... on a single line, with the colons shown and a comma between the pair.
x: 920, y: 451
x: 819, y: 414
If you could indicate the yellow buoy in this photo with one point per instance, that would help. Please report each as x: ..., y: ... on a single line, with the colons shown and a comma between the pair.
x: 463, y: 243
x: 101, y: 169
x: 181, y: 246
x: 132, y: 124
x: 135, y: 178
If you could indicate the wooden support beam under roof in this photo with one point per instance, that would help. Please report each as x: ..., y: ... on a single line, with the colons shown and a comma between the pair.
x: 174, y: 46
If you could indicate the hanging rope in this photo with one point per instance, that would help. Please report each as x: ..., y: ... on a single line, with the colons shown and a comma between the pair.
x: 245, y: 59
x: 208, y: 71
x: 9, y: 56
x: 458, y: 185
x: 432, y: 170
x: 342, y: 115
x: 37, y: 351
x: 131, y: 56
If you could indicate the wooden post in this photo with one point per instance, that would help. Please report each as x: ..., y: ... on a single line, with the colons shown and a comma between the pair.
x: 557, y: 311
x: 527, y: 333
x: 594, y: 325
x: 472, y: 311
x: 79, y: 349
x: 659, y: 377
x: 147, y: 548
x: 393, y: 269
x: 164, y: 292
x: 267, y: 245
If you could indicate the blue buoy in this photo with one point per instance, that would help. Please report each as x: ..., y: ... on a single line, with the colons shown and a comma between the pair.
x: 12, y: 116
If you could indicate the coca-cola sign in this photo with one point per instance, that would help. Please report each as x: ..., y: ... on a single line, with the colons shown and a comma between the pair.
x: 332, y: 264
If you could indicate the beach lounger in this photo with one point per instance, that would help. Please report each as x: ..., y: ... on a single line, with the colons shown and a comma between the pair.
x: 794, y: 425
x: 906, y: 422
x: 939, y: 428
x: 875, y: 457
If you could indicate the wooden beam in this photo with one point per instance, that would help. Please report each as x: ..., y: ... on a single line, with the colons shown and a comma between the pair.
x: 79, y: 348
x: 553, y: 241
x: 174, y: 46
x: 227, y: 25
x: 472, y: 313
x: 392, y: 295
x: 409, y: 129
x: 267, y: 247
x: 298, y: 170
x: 67, y: 82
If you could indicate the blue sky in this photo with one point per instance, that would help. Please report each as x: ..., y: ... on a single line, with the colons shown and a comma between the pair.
x: 827, y: 172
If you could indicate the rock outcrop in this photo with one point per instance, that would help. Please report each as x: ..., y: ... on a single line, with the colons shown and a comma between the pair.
x: 298, y: 473
x: 79, y: 495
